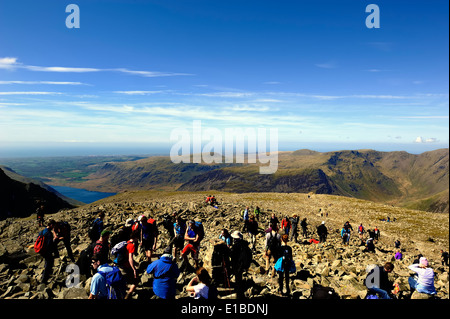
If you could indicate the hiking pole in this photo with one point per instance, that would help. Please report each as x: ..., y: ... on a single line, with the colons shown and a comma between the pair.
x: 226, y: 274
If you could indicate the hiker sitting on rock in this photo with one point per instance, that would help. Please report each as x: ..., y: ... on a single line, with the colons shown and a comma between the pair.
x: 423, y: 281
x: 370, y: 246
x: 377, y: 281
x: 200, y: 286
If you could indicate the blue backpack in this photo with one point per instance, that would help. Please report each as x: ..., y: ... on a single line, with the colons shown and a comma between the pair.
x: 115, y: 283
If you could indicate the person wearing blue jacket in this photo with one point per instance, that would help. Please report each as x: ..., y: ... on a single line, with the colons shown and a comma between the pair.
x: 165, y: 272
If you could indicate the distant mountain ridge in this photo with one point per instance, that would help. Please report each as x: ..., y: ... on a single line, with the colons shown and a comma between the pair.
x: 398, y: 178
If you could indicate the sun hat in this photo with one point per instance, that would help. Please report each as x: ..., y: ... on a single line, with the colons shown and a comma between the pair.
x: 237, y: 234
x: 423, y: 261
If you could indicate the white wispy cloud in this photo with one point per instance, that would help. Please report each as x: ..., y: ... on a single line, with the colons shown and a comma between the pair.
x: 43, y: 82
x: 11, y: 63
x: 30, y: 93
x: 141, y: 92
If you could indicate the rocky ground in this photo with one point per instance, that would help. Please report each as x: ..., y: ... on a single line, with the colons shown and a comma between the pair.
x: 329, y: 264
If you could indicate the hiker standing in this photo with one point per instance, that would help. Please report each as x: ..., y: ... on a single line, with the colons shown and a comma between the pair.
x: 179, y: 228
x: 48, y: 249
x: 148, y: 236
x: 345, y: 235
x: 257, y: 212
x: 294, y: 233
x: 98, y: 289
x: 193, y: 243
x: 96, y: 227
x: 165, y: 271
x: 284, y: 264
x: 272, y: 246
x: 273, y: 223
x: 322, y: 231
x: 304, y: 225
x: 377, y: 233
x: 361, y: 231
x: 423, y: 281
x: 102, y: 247
x: 286, y: 225
x: 246, y: 217
x: 62, y: 231
x: 127, y: 264
x: 240, y: 260
x: 168, y: 224
x: 444, y: 258
x: 40, y: 212
x: 252, y: 229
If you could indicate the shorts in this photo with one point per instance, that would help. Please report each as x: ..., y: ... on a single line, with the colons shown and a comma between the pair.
x: 179, y: 242
x: 189, y: 248
x: 148, y: 243
x: 128, y: 274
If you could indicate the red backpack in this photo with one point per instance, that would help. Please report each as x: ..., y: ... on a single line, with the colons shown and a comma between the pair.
x: 39, y: 245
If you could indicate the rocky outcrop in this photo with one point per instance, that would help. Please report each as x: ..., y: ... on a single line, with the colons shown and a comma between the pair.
x: 329, y: 264
x: 21, y: 199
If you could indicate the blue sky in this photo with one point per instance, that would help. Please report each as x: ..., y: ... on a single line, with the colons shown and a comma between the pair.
x: 136, y: 70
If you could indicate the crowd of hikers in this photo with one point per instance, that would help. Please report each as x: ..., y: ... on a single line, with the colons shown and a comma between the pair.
x: 110, y: 257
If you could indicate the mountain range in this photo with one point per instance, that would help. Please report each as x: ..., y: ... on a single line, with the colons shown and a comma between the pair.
x: 416, y: 181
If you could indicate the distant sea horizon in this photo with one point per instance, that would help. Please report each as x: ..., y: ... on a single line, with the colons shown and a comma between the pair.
x: 23, y: 152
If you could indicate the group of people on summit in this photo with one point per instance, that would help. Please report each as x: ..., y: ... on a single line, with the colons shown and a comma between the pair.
x: 111, y: 254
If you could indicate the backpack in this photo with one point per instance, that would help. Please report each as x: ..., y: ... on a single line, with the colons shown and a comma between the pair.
x: 94, y: 230
x: 135, y: 226
x: 150, y: 230
x: 119, y: 251
x: 241, y: 256
x: 320, y: 292
x: 115, y: 283
x: 40, y: 244
x: 273, y: 244
x: 85, y: 259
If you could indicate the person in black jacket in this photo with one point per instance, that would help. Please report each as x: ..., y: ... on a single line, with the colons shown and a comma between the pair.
x: 322, y: 231
x: 241, y: 258
x: 283, y: 275
x: 377, y: 281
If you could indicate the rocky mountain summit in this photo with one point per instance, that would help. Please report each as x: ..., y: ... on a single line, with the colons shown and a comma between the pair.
x: 329, y: 264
